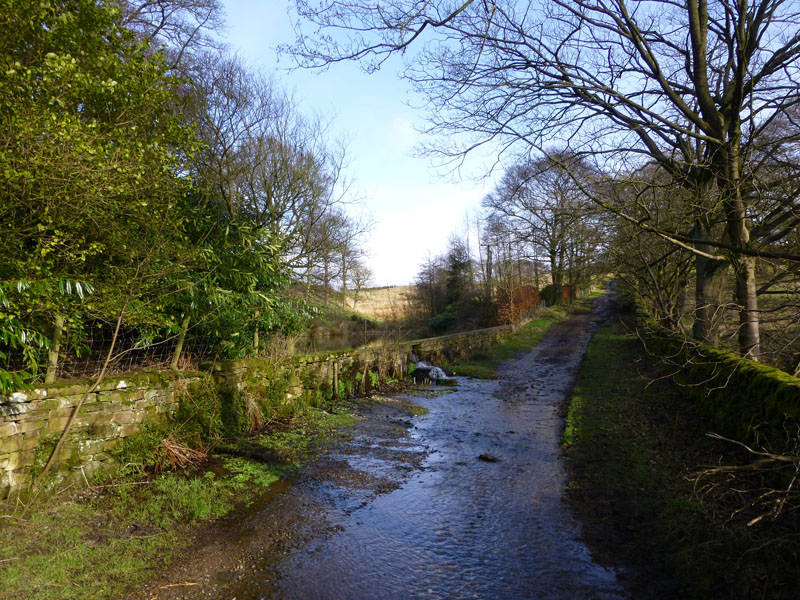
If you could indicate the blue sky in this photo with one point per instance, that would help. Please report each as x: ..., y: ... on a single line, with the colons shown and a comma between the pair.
x: 414, y: 209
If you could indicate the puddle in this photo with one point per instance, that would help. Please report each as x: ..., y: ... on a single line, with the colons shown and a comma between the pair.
x: 465, y: 527
x: 462, y: 502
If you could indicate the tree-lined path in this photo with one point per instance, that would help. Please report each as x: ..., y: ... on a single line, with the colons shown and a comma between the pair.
x: 462, y: 502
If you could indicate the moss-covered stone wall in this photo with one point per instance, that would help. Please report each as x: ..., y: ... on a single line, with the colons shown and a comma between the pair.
x: 742, y: 395
x: 32, y: 420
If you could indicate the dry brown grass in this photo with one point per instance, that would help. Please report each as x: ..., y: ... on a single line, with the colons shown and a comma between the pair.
x: 174, y: 454
x: 385, y: 304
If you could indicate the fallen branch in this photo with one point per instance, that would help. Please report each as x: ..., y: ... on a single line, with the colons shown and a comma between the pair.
x: 769, y: 500
x: 753, y: 466
x: 773, y: 457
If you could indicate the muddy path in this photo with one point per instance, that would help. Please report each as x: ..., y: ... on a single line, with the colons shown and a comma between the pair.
x: 462, y: 502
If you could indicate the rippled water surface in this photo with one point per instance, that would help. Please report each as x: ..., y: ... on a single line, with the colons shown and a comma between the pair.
x: 483, y: 517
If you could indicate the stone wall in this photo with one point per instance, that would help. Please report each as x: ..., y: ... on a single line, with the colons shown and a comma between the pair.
x: 323, y: 375
x: 749, y: 401
x: 32, y: 420
x: 459, y: 346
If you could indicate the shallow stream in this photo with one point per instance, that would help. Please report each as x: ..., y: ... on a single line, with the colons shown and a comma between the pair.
x: 462, y: 502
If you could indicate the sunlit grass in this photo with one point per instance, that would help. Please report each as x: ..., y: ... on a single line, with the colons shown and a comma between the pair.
x: 102, y: 543
x: 484, y: 366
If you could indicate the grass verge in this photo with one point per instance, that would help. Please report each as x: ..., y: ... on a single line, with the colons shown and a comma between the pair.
x: 103, y: 541
x: 483, y: 365
x: 633, y: 443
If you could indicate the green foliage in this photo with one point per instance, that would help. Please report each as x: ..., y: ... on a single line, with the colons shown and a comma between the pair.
x: 199, y: 414
x: 442, y: 322
x: 103, y: 102
x: 78, y: 551
x: 89, y: 147
x: 551, y: 295
x: 458, y: 280
x: 246, y: 472
x: 375, y: 377
x: 196, y: 422
x: 21, y: 336
x: 139, y: 452
x: 305, y: 431
x: 120, y: 535
x: 41, y: 454
x: 572, y: 423
x: 100, y: 217
x: 236, y: 287
x: 178, y: 498
x: 205, y: 417
x: 233, y: 414
x: 345, y: 389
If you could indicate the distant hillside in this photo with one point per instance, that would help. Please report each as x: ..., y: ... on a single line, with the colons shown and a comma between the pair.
x: 384, y: 303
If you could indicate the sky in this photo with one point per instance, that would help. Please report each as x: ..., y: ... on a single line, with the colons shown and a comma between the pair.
x: 414, y: 208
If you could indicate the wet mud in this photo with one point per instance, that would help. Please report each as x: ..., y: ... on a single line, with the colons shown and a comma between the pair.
x: 462, y: 502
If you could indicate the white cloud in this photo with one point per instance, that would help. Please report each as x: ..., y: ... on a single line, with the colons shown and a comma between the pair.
x: 412, y: 222
x: 401, y: 134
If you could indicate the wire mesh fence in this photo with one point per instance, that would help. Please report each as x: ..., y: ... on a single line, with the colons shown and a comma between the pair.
x: 84, y: 355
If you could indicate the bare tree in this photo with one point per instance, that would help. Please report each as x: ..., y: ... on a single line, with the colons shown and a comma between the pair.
x: 656, y: 271
x: 181, y: 28
x: 230, y: 107
x: 543, y: 205
x: 264, y: 163
x: 351, y: 236
x: 429, y: 287
x: 687, y: 85
x: 360, y: 276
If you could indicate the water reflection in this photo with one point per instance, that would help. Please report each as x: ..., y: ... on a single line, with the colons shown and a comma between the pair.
x: 462, y: 527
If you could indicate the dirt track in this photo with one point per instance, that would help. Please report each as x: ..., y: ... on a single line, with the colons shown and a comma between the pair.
x: 462, y: 502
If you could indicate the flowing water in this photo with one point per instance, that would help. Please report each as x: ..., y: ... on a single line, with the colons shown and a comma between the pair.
x: 464, y: 527
x: 462, y: 502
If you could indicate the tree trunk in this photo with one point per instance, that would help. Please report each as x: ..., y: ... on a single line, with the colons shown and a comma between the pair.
x: 749, y: 331
x: 344, y: 280
x: 739, y: 236
x: 709, y: 277
x: 256, y: 314
x: 325, y: 282
x: 681, y: 304
x: 489, y: 283
x: 55, y: 350
x: 555, y: 273
x: 176, y: 356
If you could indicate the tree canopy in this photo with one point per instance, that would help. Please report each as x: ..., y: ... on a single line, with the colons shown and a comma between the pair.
x: 695, y: 88
x: 149, y: 180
